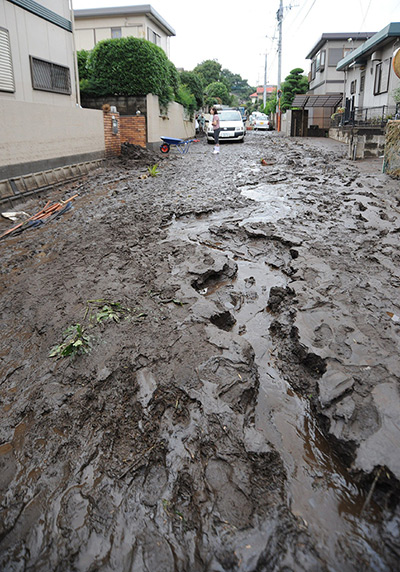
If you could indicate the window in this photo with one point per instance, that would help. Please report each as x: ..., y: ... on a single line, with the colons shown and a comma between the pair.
x: 313, y: 69
x: 153, y: 37
x: 382, y: 73
x: 322, y: 60
x: 6, y: 69
x: 47, y: 76
x: 362, y: 83
x: 116, y: 33
x: 353, y: 86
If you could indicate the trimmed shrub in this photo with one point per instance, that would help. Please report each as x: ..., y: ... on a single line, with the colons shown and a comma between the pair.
x: 130, y: 66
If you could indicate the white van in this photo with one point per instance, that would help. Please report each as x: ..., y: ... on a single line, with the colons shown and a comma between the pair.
x: 232, y: 126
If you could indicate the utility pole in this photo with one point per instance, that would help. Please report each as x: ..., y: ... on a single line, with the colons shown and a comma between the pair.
x: 265, y: 82
x: 279, y: 17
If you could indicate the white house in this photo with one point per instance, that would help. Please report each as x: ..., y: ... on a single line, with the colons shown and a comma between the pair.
x: 369, y: 76
x: 94, y: 25
x: 42, y: 124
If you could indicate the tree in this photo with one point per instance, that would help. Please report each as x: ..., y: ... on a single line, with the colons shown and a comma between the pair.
x: 194, y: 84
x: 209, y: 71
x: 217, y: 92
x: 236, y: 84
x: 294, y: 83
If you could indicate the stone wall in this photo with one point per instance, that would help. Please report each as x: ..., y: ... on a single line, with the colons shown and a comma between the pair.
x: 391, y: 163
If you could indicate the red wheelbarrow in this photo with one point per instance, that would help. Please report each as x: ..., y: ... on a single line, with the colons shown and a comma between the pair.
x: 181, y: 144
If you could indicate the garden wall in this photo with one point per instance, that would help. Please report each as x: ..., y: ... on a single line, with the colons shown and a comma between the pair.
x: 391, y: 163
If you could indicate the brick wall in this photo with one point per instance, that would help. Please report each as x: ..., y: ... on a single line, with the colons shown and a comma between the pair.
x: 112, y: 140
x: 133, y: 129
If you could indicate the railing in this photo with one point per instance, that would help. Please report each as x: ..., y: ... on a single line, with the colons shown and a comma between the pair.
x: 365, y: 116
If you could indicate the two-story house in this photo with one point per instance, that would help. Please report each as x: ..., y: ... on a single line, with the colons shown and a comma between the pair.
x: 369, y: 79
x: 42, y: 123
x: 324, y: 78
x: 94, y: 25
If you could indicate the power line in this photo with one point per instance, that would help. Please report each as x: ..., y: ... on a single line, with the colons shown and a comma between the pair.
x: 365, y: 15
x: 311, y: 7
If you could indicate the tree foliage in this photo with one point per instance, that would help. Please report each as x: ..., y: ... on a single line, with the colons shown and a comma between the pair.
x: 130, y: 66
x: 82, y: 57
x: 236, y: 84
x: 294, y: 83
x: 194, y: 84
x: 209, y: 71
x: 217, y: 92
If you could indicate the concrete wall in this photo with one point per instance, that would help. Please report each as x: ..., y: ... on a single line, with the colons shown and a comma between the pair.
x: 362, y: 142
x: 174, y: 124
x: 36, y: 137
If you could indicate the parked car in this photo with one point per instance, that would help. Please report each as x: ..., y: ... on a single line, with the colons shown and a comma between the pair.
x: 262, y: 121
x: 232, y: 126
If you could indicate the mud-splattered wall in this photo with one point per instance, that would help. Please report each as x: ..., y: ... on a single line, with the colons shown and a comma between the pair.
x: 391, y: 164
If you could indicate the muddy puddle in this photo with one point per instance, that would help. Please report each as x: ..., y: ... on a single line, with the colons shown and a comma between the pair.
x: 323, y: 497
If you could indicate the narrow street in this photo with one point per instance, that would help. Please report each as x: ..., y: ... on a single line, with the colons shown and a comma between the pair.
x: 237, y: 407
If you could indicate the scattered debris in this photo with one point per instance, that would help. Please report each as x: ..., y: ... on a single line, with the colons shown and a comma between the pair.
x: 48, y: 213
x: 15, y: 215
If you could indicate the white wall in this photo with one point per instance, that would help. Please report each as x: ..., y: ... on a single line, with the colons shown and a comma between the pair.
x: 37, y: 132
x: 31, y: 35
x: 174, y: 125
x: 89, y: 31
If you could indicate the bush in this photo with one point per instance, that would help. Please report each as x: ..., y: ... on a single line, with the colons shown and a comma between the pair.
x: 130, y: 66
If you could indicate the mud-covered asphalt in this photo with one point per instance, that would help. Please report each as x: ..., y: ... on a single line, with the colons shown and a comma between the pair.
x: 239, y: 410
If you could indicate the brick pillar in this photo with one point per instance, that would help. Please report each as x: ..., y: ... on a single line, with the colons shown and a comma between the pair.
x: 133, y: 129
x: 112, y: 139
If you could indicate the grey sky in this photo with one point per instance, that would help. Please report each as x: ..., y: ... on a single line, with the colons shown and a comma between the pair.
x: 239, y: 38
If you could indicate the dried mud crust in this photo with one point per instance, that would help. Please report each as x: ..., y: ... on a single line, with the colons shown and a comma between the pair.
x: 143, y: 454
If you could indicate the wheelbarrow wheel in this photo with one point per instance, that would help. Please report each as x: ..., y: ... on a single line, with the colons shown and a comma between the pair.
x: 164, y: 148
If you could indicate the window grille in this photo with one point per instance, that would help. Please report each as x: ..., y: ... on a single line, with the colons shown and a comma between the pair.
x: 47, y: 76
x: 6, y: 69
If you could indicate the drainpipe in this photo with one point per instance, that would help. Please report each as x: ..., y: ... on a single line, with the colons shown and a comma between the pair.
x: 77, y: 90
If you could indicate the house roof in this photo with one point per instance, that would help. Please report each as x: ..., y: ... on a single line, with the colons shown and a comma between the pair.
x: 377, y: 41
x: 145, y: 9
x: 337, y: 37
x: 328, y: 100
x: 260, y: 90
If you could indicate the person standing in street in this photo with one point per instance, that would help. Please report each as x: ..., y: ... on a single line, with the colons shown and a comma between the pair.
x: 216, y: 128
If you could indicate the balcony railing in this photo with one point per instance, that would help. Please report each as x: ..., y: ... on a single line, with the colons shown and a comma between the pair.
x: 366, y: 116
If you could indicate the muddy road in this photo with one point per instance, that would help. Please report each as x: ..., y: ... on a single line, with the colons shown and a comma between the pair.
x: 232, y: 402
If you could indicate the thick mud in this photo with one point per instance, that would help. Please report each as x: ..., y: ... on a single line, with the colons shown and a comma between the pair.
x: 237, y: 408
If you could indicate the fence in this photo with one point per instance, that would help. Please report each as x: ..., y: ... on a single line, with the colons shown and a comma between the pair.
x: 366, y: 116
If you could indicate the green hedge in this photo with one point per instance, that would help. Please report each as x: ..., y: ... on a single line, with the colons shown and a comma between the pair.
x: 130, y: 66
